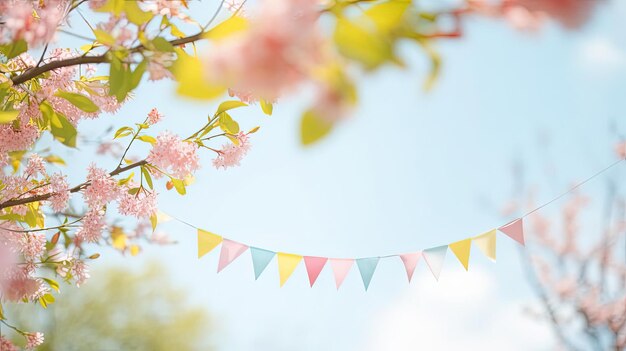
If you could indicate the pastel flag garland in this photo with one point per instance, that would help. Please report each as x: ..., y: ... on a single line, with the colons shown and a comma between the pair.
x: 260, y: 259
x: 341, y: 267
x: 515, y: 230
x: 287, y: 263
x: 434, y: 258
x: 461, y: 250
x: 207, y: 242
x: 314, y: 266
x: 410, y: 262
x: 367, y: 266
x: 486, y: 242
x: 230, y: 251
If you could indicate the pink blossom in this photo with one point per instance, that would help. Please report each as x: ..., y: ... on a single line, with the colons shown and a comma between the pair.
x: 119, y: 29
x: 20, y: 210
x: 33, y: 340
x: 274, y: 55
x: 60, y: 190
x: 17, y: 138
x: 154, y: 116
x: 170, y: 8
x: 93, y: 224
x: 31, y: 245
x: 21, y: 287
x: 102, y: 188
x: 21, y: 23
x: 174, y: 156
x: 531, y: 14
x: 80, y: 272
x: 521, y: 18
x: 158, y: 66
x: 111, y: 148
x: 35, y: 166
x: 141, y: 205
x: 230, y: 155
x: 6, y: 345
x: 96, y: 4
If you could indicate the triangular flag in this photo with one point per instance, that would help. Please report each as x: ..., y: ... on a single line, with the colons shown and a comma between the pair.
x: 434, y: 258
x: 341, y: 267
x: 260, y: 259
x: 207, y: 242
x: 410, y: 261
x: 230, y: 251
x: 461, y: 250
x: 487, y: 243
x: 287, y: 263
x: 314, y: 266
x: 515, y: 230
x: 367, y: 266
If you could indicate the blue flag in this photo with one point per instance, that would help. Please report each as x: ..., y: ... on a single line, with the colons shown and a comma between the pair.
x: 260, y: 259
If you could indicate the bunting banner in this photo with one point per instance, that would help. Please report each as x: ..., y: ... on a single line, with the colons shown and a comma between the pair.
x: 434, y: 257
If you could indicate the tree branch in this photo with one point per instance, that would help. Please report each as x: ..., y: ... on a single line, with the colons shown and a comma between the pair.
x: 75, y: 189
x: 36, y: 71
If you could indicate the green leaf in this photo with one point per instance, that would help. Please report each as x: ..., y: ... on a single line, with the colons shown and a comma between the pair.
x: 135, y: 78
x: 357, y: 43
x: 135, y: 14
x: 53, y: 284
x: 122, y: 132
x: 119, y: 79
x: 104, y: 37
x: 8, y: 116
x: 147, y: 176
x: 229, y: 105
x: 55, y: 160
x: 313, y: 128
x: 114, y: 6
x: 267, y: 107
x: 162, y: 44
x: 154, y: 221
x: 227, y: 28
x: 1, y: 313
x: 147, y: 139
x: 60, y: 127
x: 14, y: 48
x: 388, y: 15
x: 191, y: 83
x: 78, y: 100
x: 179, y: 185
x: 228, y: 124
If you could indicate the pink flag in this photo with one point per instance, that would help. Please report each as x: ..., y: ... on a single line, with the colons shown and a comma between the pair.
x: 230, y: 251
x: 410, y: 262
x: 314, y: 266
x: 515, y: 230
x: 341, y: 267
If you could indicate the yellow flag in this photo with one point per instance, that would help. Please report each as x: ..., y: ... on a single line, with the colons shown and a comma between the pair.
x: 461, y: 250
x: 487, y: 243
x: 287, y: 263
x: 207, y: 242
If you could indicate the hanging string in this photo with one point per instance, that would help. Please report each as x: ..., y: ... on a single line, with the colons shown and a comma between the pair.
x: 569, y: 191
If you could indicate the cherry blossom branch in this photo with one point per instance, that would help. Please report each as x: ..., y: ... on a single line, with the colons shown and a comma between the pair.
x: 75, y: 189
x: 75, y: 61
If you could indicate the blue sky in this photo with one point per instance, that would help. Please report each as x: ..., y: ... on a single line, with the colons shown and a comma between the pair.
x: 409, y: 170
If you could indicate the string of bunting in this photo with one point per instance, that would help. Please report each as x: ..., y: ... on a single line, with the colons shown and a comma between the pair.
x: 434, y: 257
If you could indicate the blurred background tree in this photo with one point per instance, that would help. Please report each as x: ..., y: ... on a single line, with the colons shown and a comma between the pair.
x: 123, y: 310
